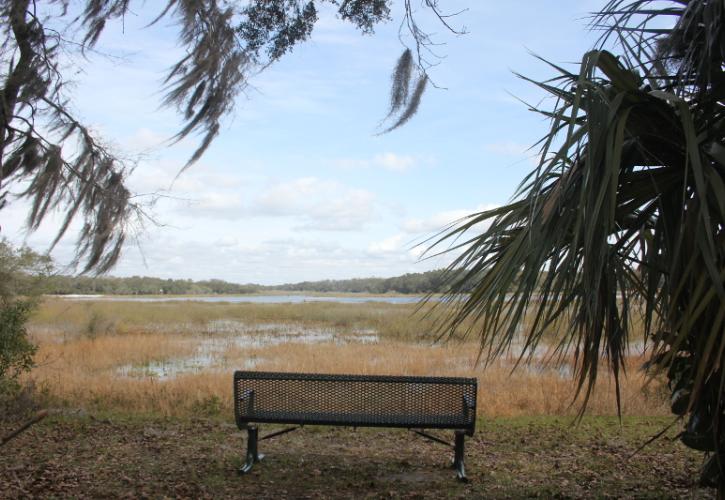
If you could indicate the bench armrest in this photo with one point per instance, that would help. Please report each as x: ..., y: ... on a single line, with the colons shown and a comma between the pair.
x: 469, y: 412
x: 245, y: 398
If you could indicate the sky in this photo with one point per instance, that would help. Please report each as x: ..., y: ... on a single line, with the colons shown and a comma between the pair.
x: 299, y: 185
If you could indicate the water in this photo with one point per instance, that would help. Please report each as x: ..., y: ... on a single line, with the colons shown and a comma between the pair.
x: 221, y: 335
x: 168, y: 369
x: 255, y: 299
x: 207, y: 359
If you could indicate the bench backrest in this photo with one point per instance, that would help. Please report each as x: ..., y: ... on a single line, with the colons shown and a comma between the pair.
x: 355, y: 400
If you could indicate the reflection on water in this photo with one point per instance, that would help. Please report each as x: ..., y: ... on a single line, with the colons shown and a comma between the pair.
x: 168, y: 369
x: 222, y: 335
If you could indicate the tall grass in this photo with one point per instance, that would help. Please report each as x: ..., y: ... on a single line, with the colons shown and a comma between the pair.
x: 398, y: 321
x: 80, y: 367
x: 407, y: 322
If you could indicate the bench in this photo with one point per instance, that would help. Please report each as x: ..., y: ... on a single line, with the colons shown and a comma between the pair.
x: 299, y: 399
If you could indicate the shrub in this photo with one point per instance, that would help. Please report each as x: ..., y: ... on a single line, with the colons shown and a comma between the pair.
x: 16, y: 350
x: 23, y: 274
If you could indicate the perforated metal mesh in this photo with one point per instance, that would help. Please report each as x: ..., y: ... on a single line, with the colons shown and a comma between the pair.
x: 355, y: 400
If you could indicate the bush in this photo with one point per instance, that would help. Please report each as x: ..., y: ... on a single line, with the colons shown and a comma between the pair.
x: 98, y: 324
x: 16, y: 351
x: 23, y: 274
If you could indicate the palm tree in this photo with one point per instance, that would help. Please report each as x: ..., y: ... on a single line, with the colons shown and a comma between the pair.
x: 624, y: 217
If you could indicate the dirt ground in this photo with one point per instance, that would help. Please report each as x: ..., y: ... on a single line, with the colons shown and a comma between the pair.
x: 74, y: 454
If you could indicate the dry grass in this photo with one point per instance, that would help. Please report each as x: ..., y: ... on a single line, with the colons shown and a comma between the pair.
x: 84, y: 345
x: 530, y: 390
x: 390, y: 320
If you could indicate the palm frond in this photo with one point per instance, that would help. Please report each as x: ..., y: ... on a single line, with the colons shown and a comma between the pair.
x: 623, y: 218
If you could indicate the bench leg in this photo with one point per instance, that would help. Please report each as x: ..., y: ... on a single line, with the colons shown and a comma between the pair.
x: 458, y: 456
x: 253, y: 455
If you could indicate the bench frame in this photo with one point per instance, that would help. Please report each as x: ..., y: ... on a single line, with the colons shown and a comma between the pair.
x: 246, y: 422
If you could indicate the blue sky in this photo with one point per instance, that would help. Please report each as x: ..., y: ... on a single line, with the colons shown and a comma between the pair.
x: 298, y: 186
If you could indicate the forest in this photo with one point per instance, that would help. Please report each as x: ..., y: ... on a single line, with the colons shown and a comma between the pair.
x: 411, y: 283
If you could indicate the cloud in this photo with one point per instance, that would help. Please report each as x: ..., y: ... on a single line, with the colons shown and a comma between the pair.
x: 279, y: 260
x: 400, y: 249
x: 312, y: 204
x: 317, y: 204
x: 202, y: 191
x: 220, y: 204
x: 391, y: 245
x: 163, y: 175
x: 145, y: 140
x: 387, y: 161
x: 440, y: 220
x: 396, y: 163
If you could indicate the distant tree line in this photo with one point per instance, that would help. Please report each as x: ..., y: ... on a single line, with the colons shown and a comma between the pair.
x: 428, y: 282
x: 142, y: 285
x: 414, y: 283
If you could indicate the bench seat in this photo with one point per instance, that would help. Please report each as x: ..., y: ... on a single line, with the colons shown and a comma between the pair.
x: 407, y: 421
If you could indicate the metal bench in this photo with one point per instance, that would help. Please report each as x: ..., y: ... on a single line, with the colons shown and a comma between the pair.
x: 298, y: 399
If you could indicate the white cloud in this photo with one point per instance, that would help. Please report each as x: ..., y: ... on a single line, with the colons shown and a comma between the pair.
x: 309, y: 202
x: 400, y: 249
x: 387, y: 161
x: 152, y: 176
x: 227, y: 205
x: 281, y: 260
x: 393, y: 244
x: 202, y: 191
x: 396, y: 163
x: 317, y: 204
x: 440, y: 220
x: 145, y: 140
x: 286, y: 198
x: 436, y: 222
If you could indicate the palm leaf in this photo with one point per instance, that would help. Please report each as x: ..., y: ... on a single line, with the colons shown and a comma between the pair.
x: 624, y: 216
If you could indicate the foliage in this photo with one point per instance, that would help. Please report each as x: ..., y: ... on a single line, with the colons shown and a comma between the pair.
x: 405, y: 101
x: 419, y: 283
x: 16, y: 351
x: 22, y: 271
x: 626, y: 212
x: 414, y: 283
x: 142, y: 285
x: 21, y: 279
x: 57, y: 163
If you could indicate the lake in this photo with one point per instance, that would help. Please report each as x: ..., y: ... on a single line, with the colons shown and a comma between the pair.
x: 256, y: 299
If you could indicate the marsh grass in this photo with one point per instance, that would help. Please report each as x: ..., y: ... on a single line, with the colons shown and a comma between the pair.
x: 404, y: 322
x: 82, y: 365
x: 395, y: 321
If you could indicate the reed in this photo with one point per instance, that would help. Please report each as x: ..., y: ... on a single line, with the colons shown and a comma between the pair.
x: 80, y: 368
x: 407, y: 322
x: 399, y: 321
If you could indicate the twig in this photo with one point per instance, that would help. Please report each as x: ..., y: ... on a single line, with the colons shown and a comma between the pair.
x: 37, y: 418
x: 655, y: 437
